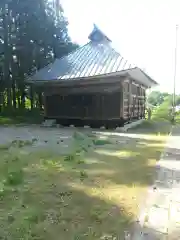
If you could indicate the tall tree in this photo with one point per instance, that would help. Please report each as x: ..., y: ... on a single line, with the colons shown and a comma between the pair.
x: 31, y: 36
x: 156, y: 97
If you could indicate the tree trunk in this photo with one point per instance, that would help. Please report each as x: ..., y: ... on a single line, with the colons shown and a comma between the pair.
x: 4, y: 101
x: 40, y: 100
x: 9, y: 97
x: 32, y: 97
x: 7, y: 54
x: 19, y: 99
x: 1, y: 101
x: 22, y: 97
x: 14, y: 95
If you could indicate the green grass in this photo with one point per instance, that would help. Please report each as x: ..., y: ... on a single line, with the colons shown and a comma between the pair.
x: 160, y: 123
x: 177, y: 118
x: 20, y: 117
x: 92, y: 193
x: 154, y: 127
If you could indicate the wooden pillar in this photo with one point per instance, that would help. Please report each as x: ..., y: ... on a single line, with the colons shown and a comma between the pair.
x: 97, y: 106
x: 102, y: 107
x: 121, y: 101
x: 144, y: 96
x: 130, y: 99
x: 45, y: 104
x: 32, y: 96
x: 142, y: 101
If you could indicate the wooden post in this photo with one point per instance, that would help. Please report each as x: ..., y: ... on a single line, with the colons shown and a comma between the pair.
x: 32, y: 96
x: 130, y: 100
x: 45, y: 104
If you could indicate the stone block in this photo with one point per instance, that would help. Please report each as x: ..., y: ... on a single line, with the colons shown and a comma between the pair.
x: 164, y: 175
x: 86, y: 126
x: 159, y: 200
x: 163, y: 185
x: 157, y: 219
x: 175, y: 196
x: 149, y: 234
x: 174, y: 213
x: 49, y: 123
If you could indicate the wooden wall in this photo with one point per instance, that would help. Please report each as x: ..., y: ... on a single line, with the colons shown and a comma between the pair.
x: 96, y: 104
x: 134, y: 100
x: 121, y: 100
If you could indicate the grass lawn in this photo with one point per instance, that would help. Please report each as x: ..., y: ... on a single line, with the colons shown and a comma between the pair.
x: 92, y: 193
x: 21, y: 117
x: 10, y: 120
x: 153, y: 127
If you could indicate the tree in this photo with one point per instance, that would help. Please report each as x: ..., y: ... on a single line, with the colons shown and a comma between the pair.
x: 178, y: 100
x: 156, y: 97
x: 31, y: 36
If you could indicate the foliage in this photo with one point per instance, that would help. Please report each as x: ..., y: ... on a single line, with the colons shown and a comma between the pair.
x: 31, y: 36
x: 101, y: 142
x: 164, y: 110
x: 20, y: 116
x: 156, y: 98
x: 177, y: 100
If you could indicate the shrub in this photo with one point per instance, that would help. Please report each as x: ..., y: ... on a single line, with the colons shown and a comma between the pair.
x: 100, y: 142
x: 14, y: 177
x: 83, y: 175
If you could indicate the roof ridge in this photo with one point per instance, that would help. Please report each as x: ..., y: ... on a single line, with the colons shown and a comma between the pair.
x: 96, y: 30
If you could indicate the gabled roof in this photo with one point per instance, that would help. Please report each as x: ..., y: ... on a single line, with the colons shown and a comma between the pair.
x: 96, y: 58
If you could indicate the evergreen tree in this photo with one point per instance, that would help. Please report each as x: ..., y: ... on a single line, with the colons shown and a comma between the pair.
x: 31, y: 36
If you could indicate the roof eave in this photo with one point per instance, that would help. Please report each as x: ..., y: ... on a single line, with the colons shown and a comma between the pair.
x: 152, y: 80
x: 75, y: 80
x: 123, y: 73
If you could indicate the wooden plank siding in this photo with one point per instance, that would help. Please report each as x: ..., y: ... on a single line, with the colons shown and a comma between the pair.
x: 96, y: 105
x: 134, y: 100
x: 121, y: 101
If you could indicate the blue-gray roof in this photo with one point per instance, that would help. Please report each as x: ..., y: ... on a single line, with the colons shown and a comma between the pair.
x: 95, y: 58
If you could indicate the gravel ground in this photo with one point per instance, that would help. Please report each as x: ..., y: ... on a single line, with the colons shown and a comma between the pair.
x: 60, y: 140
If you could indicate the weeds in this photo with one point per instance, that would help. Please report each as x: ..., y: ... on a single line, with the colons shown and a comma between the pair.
x: 2, y: 189
x: 13, y: 173
x: 96, y: 214
x: 81, y: 145
x: 80, y: 161
x: 83, y: 175
x: 69, y: 158
x: 34, y: 140
x: 44, y: 196
x: 5, y: 147
x: 101, y: 142
x: 15, y: 177
x: 17, y: 143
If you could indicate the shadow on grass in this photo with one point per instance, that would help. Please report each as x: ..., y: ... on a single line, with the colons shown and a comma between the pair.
x: 21, y: 117
x: 48, y: 204
x: 130, y: 164
x: 95, y: 198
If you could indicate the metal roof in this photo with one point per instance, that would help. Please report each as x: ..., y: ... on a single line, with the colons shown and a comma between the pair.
x: 95, y: 58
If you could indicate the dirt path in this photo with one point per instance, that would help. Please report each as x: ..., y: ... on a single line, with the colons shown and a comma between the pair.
x: 161, y: 217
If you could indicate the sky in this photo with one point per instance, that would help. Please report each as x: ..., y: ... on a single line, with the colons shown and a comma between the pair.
x: 143, y: 31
